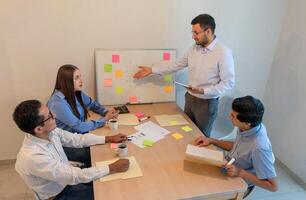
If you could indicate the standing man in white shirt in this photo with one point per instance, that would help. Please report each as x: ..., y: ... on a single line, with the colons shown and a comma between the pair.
x: 210, y: 72
x: 42, y: 162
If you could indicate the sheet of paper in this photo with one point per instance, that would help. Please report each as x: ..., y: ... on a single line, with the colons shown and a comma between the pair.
x: 133, y: 171
x: 152, y: 127
x: 203, y: 152
x: 115, y: 58
x: 171, y: 120
x: 177, y: 136
x: 139, y: 137
x: 108, y: 68
x: 186, y: 128
x: 108, y: 82
x: 128, y: 119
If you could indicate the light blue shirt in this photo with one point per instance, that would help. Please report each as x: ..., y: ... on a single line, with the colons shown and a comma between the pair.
x: 253, y: 152
x: 210, y: 68
x: 65, y: 119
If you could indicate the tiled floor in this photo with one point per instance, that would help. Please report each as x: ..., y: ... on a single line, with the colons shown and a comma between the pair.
x: 13, y: 188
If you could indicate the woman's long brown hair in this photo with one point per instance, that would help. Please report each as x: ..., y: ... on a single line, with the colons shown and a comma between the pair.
x: 64, y: 83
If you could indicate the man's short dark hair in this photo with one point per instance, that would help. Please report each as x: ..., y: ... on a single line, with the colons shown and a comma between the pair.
x: 205, y: 21
x: 26, y: 115
x: 249, y: 110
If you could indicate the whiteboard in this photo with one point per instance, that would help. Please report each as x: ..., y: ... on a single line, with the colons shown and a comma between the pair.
x: 114, y: 76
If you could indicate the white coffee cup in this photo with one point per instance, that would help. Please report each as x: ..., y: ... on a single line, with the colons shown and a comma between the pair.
x: 122, y: 150
x: 113, y: 124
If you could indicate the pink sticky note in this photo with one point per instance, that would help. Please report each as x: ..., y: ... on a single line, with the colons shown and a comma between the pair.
x: 108, y: 82
x: 113, y: 145
x: 115, y: 58
x: 166, y: 56
x: 133, y: 99
x: 139, y: 114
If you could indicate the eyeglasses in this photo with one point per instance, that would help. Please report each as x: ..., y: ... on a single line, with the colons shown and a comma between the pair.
x: 197, y: 33
x: 49, y: 117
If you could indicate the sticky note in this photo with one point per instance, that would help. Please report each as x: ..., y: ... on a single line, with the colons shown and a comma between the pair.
x: 118, y: 73
x: 113, y: 145
x: 108, y: 82
x: 166, y: 56
x: 148, y: 143
x: 177, y: 136
x: 133, y: 99
x: 119, y: 89
x: 108, y: 67
x: 173, y: 122
x: 168, y: 88
x: 139, y: 114
x: 168, y: 78
x: 115, y: 58
x: 186, y: 128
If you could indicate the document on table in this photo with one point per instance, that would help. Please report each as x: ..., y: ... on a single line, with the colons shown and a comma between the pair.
x: 138, y: 137
x: 171, y: 120
x: 150, y: 127
x: 204, y: 155
x: 133, y: 171
x: 128, y: 119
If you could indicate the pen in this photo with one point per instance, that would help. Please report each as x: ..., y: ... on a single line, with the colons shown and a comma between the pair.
x: 223, y: 169
x: 144, y: 118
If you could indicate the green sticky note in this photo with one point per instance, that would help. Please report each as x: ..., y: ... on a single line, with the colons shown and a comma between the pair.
x: 168, y: 78
x: 186, y: 128
x: 108, y: 67
x: 119, y: 89
x: 148, y: 143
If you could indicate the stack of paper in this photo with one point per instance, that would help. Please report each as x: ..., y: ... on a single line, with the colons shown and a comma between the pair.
x: 147, y: 131
x: 171, y: 120
x: 204, y: 155
x: 133, y: 171
x: 128, y: 119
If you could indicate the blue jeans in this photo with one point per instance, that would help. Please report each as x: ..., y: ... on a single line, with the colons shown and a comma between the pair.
x: 76, y: 192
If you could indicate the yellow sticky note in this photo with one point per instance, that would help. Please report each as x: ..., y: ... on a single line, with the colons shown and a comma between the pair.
x: 177, y: 136
x: 148, y: 143
x: 119, y: 89
x: 168, y: 78
x: 118, y: 73
x: 168, y: 88
x: 173, y: 123
x: 186, y: 128
x: 108, y: 82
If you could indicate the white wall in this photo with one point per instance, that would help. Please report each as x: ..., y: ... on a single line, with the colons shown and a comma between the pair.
x: 39, y: 36
x: 286, y: 92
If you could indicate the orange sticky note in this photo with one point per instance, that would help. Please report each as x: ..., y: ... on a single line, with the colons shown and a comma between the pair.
x: 168, y: 88
x: 118, y: 73
x: 115, y: 58
x: 133, y: 99
x: 166, y: 56
x: 113, y: 145
x: 108, y: 82
x: 177, y: 136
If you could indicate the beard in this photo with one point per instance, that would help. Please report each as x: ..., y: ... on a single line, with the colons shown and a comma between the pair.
x: 202, y: 42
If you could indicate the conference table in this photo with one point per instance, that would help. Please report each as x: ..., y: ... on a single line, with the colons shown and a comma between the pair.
x: 166, y: 175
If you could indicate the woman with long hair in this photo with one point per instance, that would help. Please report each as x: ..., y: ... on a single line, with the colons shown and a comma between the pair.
x: 70, y: 105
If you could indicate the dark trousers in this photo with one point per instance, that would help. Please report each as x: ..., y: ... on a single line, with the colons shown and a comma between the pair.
x: 76, y: 192
x: 79, y: 155
x: 202, y: 112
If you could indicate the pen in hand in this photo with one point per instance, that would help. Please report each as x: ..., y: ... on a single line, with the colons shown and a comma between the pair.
x: 223, y: 169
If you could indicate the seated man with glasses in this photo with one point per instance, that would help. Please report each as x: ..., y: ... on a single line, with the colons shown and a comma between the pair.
x: 42, y: 163
x: 252, y: 149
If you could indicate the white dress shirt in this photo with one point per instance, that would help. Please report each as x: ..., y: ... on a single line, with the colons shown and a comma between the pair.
x: 210, y: 68
x: 44, y: 166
